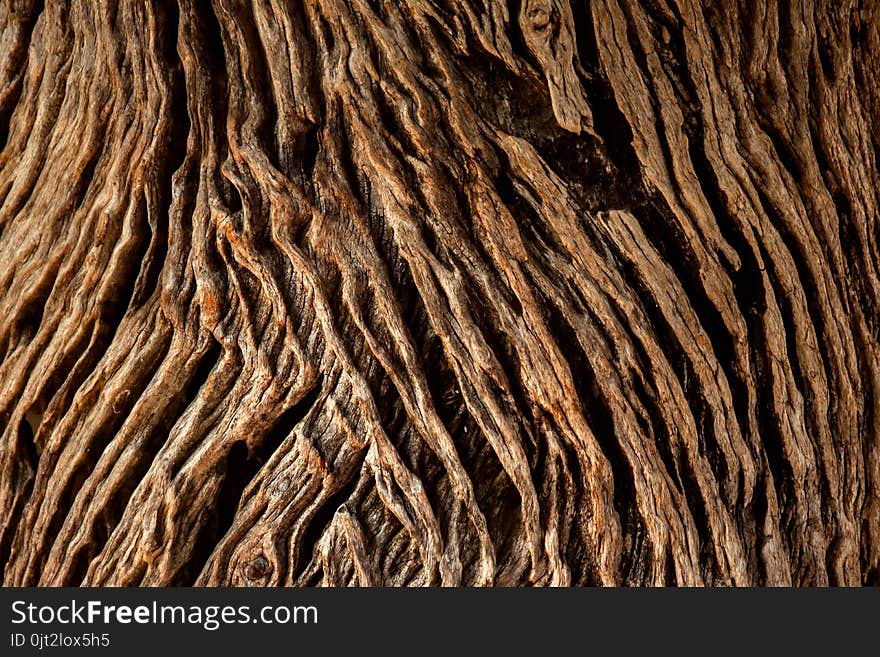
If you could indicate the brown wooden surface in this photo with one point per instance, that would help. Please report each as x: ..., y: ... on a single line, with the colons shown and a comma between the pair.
x: 439, y: 292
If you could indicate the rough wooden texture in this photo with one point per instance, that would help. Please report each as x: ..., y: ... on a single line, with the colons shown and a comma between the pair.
x: 439, y: 292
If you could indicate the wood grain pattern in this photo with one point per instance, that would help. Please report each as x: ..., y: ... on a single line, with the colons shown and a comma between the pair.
x: 423, y: 292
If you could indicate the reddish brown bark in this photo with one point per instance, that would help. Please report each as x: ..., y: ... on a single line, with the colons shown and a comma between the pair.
x: 439, y: 292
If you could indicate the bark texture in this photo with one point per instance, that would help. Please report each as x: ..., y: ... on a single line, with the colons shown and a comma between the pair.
x: 389, y: 292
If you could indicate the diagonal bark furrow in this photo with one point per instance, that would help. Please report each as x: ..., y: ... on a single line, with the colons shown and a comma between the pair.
x: 18, y: 20
x: 439, y: 293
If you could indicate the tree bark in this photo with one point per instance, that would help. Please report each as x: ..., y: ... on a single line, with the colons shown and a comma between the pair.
x: 459, y: 292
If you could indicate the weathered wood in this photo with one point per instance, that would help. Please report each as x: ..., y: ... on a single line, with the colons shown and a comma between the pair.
x: 439, y: 292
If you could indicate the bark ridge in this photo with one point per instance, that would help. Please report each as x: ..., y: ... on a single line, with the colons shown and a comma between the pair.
x: 459, y: 292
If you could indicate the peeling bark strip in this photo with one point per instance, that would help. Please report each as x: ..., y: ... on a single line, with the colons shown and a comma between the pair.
x: 439, y: 292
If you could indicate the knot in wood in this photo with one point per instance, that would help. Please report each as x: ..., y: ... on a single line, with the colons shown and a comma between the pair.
x: 540, y: 17
x: 258, y: 568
